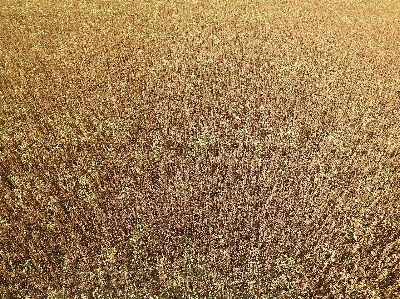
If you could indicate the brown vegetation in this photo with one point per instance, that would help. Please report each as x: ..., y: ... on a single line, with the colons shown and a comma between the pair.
x: 199, y: 149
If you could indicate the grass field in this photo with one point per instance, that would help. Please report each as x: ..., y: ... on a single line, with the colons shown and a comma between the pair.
x: 199, y: 149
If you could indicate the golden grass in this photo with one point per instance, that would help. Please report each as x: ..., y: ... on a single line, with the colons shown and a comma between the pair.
x: 199, y: 149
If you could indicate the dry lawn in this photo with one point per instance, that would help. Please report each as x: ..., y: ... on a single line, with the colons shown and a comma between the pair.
x: 199, y: 149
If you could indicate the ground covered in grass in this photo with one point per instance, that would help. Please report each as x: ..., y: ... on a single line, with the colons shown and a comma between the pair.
x: 199, y: 149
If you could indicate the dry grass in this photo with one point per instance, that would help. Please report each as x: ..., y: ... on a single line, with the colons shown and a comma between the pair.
x: 199, y: 149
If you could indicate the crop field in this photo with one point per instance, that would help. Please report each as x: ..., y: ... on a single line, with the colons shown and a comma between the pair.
x: 199, y: 149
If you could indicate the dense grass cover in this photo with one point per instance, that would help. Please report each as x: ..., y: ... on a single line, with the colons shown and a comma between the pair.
x: 199, y: 149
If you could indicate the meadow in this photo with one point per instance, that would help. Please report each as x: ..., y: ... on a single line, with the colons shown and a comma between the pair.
x: 199, y: 149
